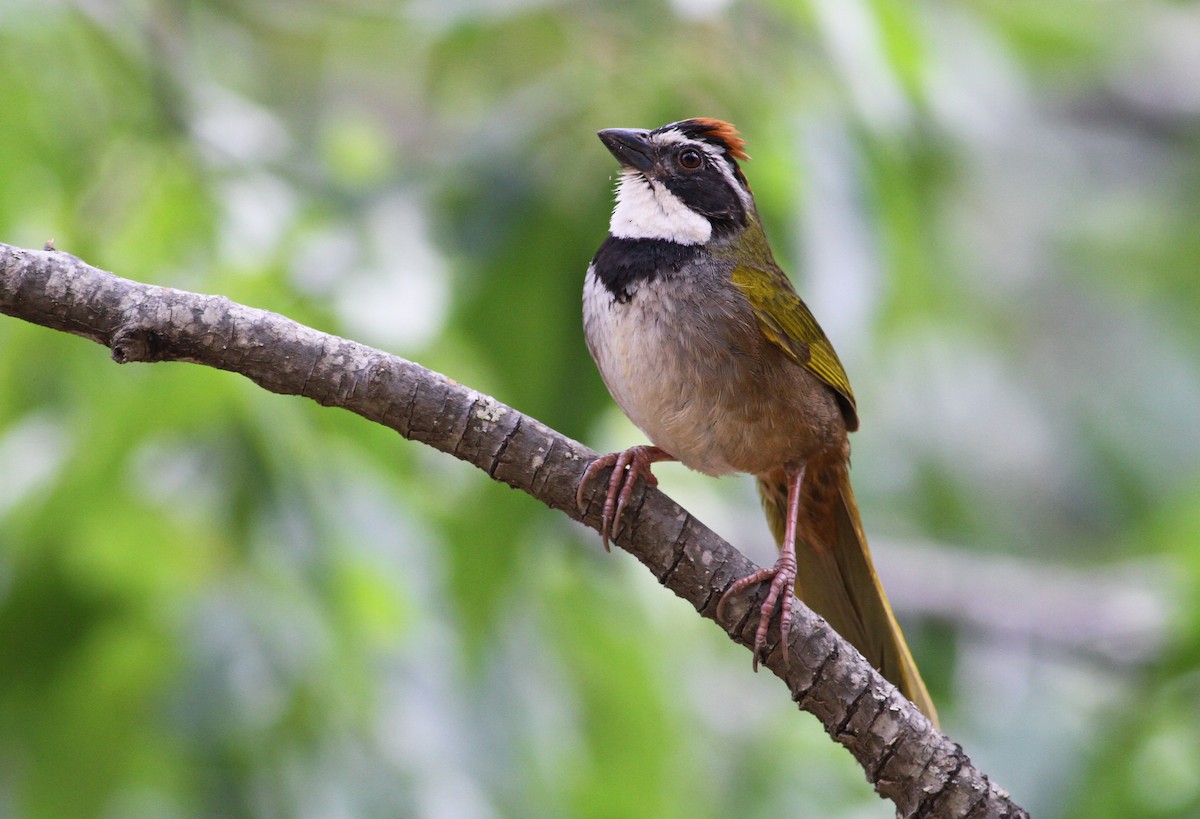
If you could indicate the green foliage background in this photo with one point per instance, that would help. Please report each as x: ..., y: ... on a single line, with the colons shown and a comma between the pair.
x: 216, y: 601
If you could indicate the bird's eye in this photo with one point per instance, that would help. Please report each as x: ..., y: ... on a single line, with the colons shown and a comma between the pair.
x: 690, y: 158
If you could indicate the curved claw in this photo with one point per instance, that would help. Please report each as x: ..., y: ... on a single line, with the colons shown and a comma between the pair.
x: 782, y: 576
x: 783, y: 583
x: 780, y: 595
x: 740, y: 586
x: 596, y: 466
x: 627, y: 467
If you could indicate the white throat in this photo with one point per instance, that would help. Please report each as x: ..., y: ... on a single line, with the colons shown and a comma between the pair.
x: 647, y: 210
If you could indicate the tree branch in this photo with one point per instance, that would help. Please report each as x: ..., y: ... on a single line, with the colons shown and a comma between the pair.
x: 903, y: 756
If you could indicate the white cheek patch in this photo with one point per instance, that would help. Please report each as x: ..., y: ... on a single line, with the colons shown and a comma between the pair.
x: 647, y: 210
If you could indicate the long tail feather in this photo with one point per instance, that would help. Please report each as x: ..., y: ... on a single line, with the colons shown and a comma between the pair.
x: 835, y: 576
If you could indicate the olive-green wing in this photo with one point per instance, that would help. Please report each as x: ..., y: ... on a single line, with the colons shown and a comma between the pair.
x: 786, y: 320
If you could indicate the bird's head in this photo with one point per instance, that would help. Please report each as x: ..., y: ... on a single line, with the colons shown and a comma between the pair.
x: 680, y: 182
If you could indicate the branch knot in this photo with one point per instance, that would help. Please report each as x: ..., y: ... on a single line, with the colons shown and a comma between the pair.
x: 137, y: 342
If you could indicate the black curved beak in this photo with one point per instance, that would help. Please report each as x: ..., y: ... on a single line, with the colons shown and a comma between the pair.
x: 631, y: 146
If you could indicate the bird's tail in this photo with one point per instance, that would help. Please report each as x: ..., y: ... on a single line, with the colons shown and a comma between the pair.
x: 834, y: 573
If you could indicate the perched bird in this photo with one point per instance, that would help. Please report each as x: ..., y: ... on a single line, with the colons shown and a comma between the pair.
x: 705, y: 345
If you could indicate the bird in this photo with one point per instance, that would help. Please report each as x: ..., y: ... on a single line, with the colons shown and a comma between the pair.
x: 704, y: 343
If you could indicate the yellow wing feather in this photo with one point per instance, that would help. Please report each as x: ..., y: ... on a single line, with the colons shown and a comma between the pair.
x: 785, y: 319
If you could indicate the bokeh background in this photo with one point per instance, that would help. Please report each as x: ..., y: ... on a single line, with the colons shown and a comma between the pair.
x: 219, y: 602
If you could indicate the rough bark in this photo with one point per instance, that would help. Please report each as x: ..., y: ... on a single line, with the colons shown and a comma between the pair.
x: 907, y: 761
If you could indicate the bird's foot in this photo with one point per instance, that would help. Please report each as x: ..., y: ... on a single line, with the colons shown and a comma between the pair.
x: 783, y: 583
x: 627, y: 466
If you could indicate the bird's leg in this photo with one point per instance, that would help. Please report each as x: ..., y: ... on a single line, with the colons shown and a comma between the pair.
x: 782, y: 576
x: 627, y: 466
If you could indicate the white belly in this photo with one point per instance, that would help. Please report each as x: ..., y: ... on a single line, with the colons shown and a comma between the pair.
x: 653, y: 361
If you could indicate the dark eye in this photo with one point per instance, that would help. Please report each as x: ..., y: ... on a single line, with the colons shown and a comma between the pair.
x: 690, y: 158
